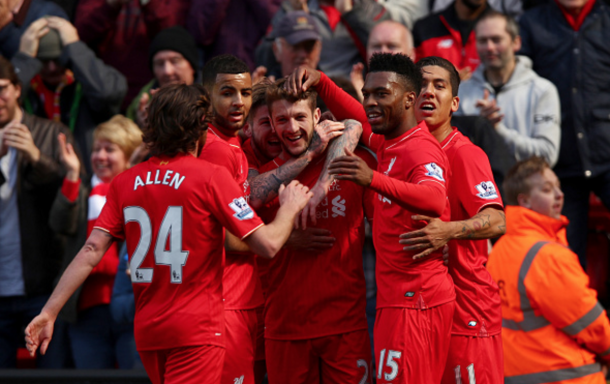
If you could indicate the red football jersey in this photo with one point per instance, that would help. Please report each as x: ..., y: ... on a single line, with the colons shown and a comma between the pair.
x: 321, y: 294
x: 241, y: 284
x: 478, y: 311
x: 253, y: 161
x: 172, y: 211
x: 414, y: 157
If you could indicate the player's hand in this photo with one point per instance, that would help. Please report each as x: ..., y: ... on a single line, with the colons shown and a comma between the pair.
x: 309, y: 212
x: 465, y: 73
x: 301, y: 80
x: 311, y: 239
x: 18, y: 136
x: 324, y: 132
x: 357, y: 79
x: 489, y: 109
x: 295, y: 195
x: 68, y: 158
x: 446, y: 254
x: 351, y: 167
x: 428, y: 239
x: 30, y: 40
x: 38, y: 333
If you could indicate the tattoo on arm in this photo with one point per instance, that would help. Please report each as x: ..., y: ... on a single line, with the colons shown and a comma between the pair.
x: 349, y: 139
x: 264, y: 188
x: 478, y: 227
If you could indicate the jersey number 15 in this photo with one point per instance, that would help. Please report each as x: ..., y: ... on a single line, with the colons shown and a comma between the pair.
x: 171, y: 227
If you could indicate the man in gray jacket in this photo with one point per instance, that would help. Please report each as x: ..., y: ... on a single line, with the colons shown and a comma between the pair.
x: 523, y: 107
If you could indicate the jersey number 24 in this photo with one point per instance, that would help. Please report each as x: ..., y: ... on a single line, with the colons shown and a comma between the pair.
x: 171, y: 227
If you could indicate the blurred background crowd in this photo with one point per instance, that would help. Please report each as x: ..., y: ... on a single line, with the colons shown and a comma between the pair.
x: 536, y: 82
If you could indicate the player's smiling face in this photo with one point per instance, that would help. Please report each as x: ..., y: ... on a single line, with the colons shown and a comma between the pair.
x: 294, y: 124
x: 436, y: 103
x: 384, y: 101
x: 231, y: 101
x: 107, y: 160
x: 264, y: 137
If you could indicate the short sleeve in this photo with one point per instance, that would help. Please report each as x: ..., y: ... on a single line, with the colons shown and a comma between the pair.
x: 230, y: 207
x: 220, y: 153
x: 111, y: 218
x: 473, y: 180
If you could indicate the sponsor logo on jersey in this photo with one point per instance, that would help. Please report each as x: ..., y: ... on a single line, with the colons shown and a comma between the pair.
x: 242, y: 209
x: 472, y: 323
x: 487, y: 190
x: 239, y: 380
x: 338, y: 206
x: 164, y: 163
x: 447, y: 43
x: 435, y: 171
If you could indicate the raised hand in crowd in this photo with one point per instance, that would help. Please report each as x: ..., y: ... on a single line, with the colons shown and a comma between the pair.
x: 67, y: 32
x: 68, y: 158
x: 30, y: 39
x: 6, y: 16
x: 259, y: 74
x: 357, y: 79
x: 299, y: 5
x: 489, y: 109
x: 18, y: 136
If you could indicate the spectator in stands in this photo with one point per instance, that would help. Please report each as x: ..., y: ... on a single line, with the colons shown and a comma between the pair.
x: 93, y: 335
x: 386, y: 37
x: 18, y: 19
x: 173, y: 59
x: 553, y: 328
x: 344, y: 29
x: 567, y: 42
x: 450, y: 34
x: 120, y: 32
x: 30, y: 252
x: 62, y: 80
x: 230, y: 26
x: 522, y: 106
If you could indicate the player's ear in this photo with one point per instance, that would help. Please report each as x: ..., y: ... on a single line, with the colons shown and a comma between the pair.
x: 247, y: 129
x: 455, y: 104
x: 316, y: 116
x: 409, y: 99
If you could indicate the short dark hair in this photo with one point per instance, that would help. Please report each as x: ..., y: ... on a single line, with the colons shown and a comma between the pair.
x: 277, y: 92
x: 259, y: 96
x: 516, y: 181
x: 512, y: 27
x: 7, y: 71
x: 176, y: 119
x: 454, y: 75
x: 409, y: 75
x: 228, y: 64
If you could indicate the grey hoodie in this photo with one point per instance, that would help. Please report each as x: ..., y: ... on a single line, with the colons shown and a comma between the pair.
x: 531, y: 108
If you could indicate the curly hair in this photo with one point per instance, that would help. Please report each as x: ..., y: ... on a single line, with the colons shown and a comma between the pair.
x: 409, y: 75
x: 176, y: 119
x: 277, y: 92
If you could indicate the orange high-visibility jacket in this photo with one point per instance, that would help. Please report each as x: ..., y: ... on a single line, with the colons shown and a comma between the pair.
x: 553, y: 328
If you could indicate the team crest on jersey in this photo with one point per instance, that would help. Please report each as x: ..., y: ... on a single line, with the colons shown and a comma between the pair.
x: 487, y: 190
x: 435, y: 171
x: 242, y: 209
x: 472, y: 323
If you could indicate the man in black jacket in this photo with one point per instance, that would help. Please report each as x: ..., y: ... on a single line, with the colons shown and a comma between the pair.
x: 568, y: 44
x: 30, y: 175
x: 63, y: 80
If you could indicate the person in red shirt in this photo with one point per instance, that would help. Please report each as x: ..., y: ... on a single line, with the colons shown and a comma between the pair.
x: 318, y: 341
x: 171, y: 211
x: 228, y: 82
x: 415, y: 297
x: 477, y: 214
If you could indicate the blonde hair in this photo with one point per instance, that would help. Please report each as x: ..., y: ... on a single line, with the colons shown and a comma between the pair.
x: 120, y: 131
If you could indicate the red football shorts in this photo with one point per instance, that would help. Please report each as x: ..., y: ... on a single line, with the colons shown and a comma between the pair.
x: 411, y: 345
x: 185, y: 365
x: 337, y: 359
x: 240, y: 339
x: 475, y: 360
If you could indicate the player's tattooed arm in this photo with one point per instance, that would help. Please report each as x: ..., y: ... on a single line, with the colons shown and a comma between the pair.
x: 264, y: 187
x: 487, y: 224
x: 348, y: 141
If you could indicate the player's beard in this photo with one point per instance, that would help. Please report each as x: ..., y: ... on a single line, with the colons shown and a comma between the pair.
x: 221, y: 122
x: 287, y: 150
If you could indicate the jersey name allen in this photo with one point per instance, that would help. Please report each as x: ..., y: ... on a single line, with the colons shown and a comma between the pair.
x: 167, y: 179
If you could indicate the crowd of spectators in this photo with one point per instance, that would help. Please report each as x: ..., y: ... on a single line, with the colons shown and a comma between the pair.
x: 536, y: 82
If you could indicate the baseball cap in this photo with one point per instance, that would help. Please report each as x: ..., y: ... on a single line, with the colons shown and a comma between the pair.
x: 297, y: 27
x: 49, y: 46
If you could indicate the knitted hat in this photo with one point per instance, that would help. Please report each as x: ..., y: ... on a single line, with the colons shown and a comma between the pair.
x: 175, y: 39
x: 49, y: 46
